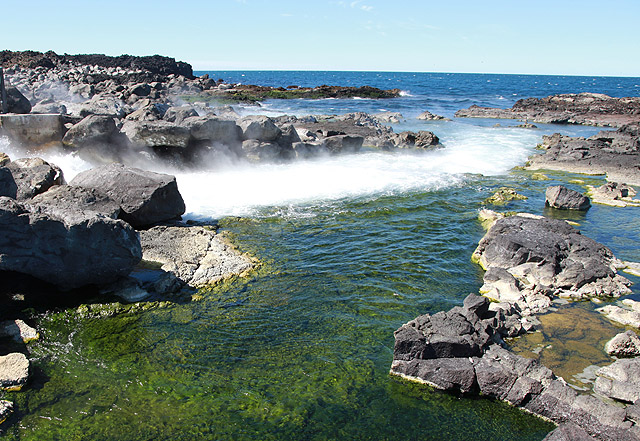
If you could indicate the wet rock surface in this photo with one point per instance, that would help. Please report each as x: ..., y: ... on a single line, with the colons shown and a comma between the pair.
x: 562, y: 198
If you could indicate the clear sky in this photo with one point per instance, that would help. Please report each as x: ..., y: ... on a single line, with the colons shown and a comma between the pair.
x: 581, y: 37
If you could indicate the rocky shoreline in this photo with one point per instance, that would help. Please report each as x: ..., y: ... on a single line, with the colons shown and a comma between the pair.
x: 111, y: 226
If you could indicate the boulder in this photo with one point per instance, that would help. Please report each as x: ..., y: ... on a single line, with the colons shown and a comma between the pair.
x: 257, y: 151
x: 14, y: 371
x: 563, y: 198
x: 194, y: 256
x: 145, y: 197
x: 213, y: 130
x: 179, y: 114
x: 625, y: 344
x: 33, y: 130
x: 343, y: 143
x: 428, y: 116
x: 547, y: 257
x: 104, y: 105
x: 150, y: 112
x: 423, y: 139
x: 17, y: 102
x: 25, y: 178
x: 156, y: 134
x: 624, y: 316
x: 48, y: 106
x: 620, y: 380
x: 449, y: 374
x: 64, y: 198
x: 259, y: 127
x: 71, y: 250
x: 92, y: 130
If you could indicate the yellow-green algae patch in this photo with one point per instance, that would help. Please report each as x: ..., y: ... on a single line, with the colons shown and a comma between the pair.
x: 570, y: 340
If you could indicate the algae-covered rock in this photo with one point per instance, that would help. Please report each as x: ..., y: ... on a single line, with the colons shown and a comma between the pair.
x: 503, y: 196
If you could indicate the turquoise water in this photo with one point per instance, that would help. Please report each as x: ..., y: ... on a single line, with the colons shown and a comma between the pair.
x: 352, y: 247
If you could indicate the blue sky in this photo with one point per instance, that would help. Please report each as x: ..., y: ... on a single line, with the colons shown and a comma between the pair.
x: 538, y: 37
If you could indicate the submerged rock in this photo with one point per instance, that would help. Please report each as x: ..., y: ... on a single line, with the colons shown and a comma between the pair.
x: 145, y: 197
x: 14, y: 371
x: 503, y: 196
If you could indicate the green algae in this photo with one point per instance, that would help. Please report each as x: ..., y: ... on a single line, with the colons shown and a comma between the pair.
x: 299, y: 349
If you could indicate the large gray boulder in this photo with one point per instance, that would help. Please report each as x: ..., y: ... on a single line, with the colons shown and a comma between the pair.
x: 14, y: 371
x: 24, y: 178
x: 70, y: 249
x: 61, y: 199
x: 213, y: 130
x: 145, y: 197
x: 620, y: 380
x: 545, y: 257
x: 259, y: 127
x: 104, y: 105
x: 343, y: 143
x: 625, y: 344
x: 564, y: 198
x: 92, y: 130
x: 156, y: 134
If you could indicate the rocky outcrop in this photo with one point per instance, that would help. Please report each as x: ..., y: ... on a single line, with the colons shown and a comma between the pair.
x: 584, y: 108
x: 614, y: 194
x: 25, y: 178
x: 620, y: 380
x: 69, y: 250
x: 62, y: 199
x: 14, y: 371
x: 528, y: 260
x: 460, y: 351
x: 428, y: 116
x: 195, y: 256
x: 563, y: 198
x: 145, y: 197
x: 616, y: 154
x: 625, y: 344
x: 628, y: 314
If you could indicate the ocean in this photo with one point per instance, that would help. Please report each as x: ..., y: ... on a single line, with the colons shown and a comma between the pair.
x: 351, y: 248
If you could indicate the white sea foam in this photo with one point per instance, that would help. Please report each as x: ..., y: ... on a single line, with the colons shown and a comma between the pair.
x: 244, y: 190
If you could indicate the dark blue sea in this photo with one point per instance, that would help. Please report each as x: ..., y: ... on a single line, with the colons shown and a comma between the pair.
x: 351, y: 247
